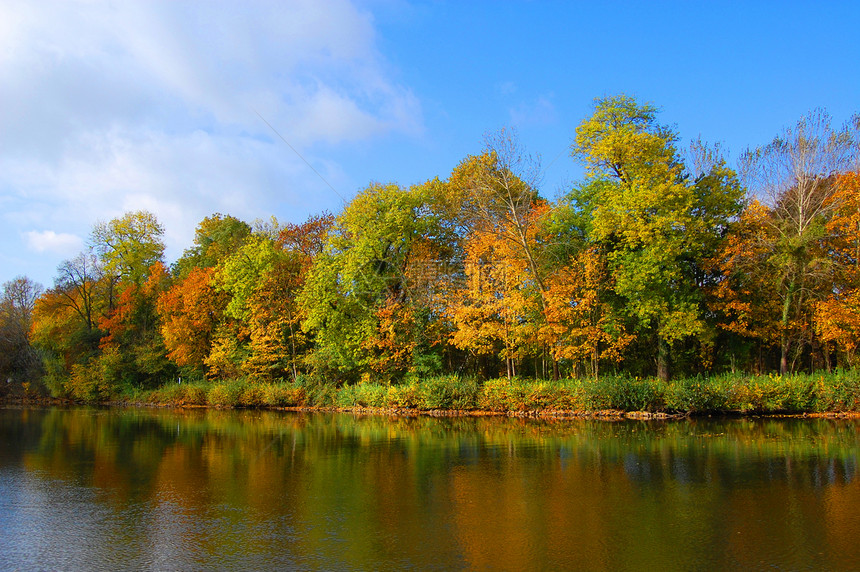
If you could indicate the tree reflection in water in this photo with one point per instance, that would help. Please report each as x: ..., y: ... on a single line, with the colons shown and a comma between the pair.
x: 203, y: 488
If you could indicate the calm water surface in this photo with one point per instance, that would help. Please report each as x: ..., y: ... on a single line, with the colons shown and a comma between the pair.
x: 152, y: 489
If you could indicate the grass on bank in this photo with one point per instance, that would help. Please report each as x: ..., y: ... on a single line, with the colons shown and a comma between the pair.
x: 730, y: 393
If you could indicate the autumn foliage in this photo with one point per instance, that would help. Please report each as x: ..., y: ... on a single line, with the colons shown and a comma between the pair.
x: 660, y: 262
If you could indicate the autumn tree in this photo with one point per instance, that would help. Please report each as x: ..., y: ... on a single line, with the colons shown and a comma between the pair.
x: 129, y: 245
x: 66, y: 317
x: 746, y: 298
x: 131, y: 250
x: 499, y: 193
x: 499, y: 198
x: 190, y: 312
x: 215, y: 238
x: 278, y: 343
x: 18, y: 359
x: 837, y: 317
x: 795, y: 174
x: 582, y: 323
x: 495, y: 312
x: 653, y: 218
x: 363, y: 296
x: 133, y: 349
x: 79, y: 283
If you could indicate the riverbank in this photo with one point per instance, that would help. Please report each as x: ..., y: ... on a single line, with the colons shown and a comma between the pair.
x: 836, y: 393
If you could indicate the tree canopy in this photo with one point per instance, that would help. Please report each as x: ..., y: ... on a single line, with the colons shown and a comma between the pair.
x: 658, y: 262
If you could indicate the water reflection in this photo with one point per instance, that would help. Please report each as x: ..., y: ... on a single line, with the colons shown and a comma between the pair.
x: 89, y: 488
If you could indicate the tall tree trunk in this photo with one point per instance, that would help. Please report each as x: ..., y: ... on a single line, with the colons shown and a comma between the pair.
x: 292, y: 348
x: 662, y: 359
x: 785, y: 342
x: 783, y: 357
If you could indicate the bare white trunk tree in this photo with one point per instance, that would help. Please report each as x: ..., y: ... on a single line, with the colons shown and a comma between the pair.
x: 794, y: 175
x: 501, y: 196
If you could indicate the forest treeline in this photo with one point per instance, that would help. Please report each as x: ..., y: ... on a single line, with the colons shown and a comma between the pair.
x: 661, y: 262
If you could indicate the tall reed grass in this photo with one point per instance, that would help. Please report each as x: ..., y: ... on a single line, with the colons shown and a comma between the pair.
x: 799, y: 393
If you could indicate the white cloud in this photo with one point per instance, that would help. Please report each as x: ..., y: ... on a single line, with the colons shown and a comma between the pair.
x: 74, y: 66
x: 109, y: 107
x: 62, y: 243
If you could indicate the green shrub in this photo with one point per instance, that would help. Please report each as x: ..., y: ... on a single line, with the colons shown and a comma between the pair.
x: 839, y: 391
x: 373, y: 395
x: 83, y: 383
x: 347, y: 396
x: 406, y: 396
x: 55, y: 377
x: 321, y: 394
x: 252, y: 394
x: 283, y: 395
x: 225, y: 394
x: 498, y: 395
x: 542, y: 395
x: 195, y: 395
x: 449, y: 392
x: 697, y: 394
x: 625, y: 393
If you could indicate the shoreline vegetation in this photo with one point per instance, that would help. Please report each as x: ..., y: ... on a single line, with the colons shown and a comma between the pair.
x: 821, y: 394
x: 665, y: 282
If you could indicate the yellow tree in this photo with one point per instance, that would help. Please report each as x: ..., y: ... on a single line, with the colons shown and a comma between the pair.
x: 498, y: 309
x: 497, y: 191
x: 581, y: 325
x: 129, y: 245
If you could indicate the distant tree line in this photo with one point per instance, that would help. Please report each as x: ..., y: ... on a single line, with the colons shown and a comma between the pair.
x: 661, y: 262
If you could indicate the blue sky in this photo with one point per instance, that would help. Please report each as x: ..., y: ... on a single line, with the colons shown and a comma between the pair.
x: 107, y: 107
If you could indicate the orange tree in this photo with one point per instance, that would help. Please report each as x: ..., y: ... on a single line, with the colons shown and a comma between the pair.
x: 133, y: 349
x: 190, y: 312
x: 495, y: 310
x: 837, y: 317
x: 500, y: 208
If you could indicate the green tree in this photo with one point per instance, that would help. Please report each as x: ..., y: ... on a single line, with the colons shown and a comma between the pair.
x: 128, y: 246
x: 366, y: 297
x: 653, y: 217
x: 262, y: 279
x: 216, y: 237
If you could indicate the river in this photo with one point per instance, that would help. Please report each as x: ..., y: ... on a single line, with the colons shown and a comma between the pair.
x: 102, y: 489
